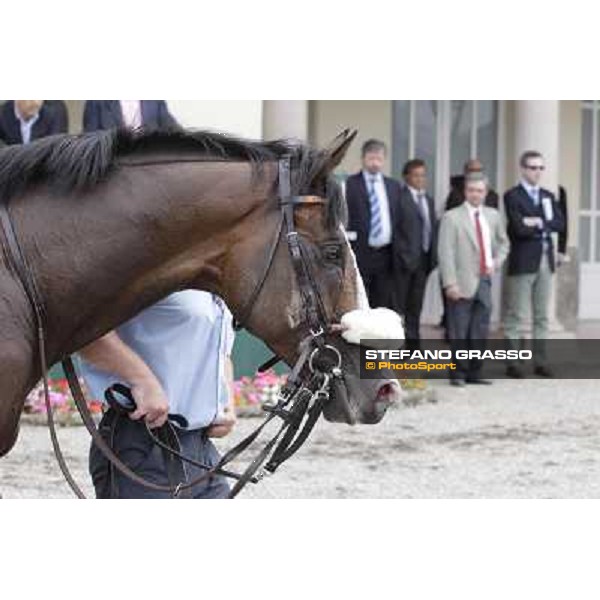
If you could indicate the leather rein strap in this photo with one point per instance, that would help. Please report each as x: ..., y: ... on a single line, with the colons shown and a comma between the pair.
x: 299, y: 403
x: 27, y: 281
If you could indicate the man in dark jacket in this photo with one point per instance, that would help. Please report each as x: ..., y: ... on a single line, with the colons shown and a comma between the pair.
x: 457, y: 185
x: 23, y: 121
x: 373, y: 224
x: 415, y: 251
x: 133, y: 114
x: 532, y: 215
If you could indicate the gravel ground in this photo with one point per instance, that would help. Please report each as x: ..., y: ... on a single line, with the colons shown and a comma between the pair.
x: 527, y: 439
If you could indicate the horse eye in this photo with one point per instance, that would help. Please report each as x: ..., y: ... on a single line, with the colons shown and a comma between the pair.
x: 332, y: 252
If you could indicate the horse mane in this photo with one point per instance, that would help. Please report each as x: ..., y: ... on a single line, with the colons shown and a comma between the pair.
x: 68, y: 163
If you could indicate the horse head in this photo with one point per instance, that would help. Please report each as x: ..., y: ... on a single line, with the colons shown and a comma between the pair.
x: 278, y: 311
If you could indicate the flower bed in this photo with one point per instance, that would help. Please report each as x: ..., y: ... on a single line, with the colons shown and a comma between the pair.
x: 65, y: 411
x: 250, y: 393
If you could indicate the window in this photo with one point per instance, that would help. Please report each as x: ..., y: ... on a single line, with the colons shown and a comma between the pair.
x: 414, y: 135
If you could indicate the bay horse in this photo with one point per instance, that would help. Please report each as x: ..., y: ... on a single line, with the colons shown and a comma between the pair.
x: 113, y: 221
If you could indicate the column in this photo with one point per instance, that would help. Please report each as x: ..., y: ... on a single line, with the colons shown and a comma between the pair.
x: 285, y: 119
x: 537, y: 127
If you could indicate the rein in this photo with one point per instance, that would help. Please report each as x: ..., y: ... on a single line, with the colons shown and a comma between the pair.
x: 299, y: 403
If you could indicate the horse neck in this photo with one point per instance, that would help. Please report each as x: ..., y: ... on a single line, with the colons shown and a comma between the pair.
x: 101, y: 257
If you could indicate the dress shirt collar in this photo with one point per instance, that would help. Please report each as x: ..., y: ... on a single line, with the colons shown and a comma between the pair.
x: 28, y: 122
x: 372, y: 176
x: 416, y: 193
x: 531, y: 189
x: 473, y: 209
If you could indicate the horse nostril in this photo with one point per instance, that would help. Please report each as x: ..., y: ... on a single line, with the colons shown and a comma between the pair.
x: 387, y: 392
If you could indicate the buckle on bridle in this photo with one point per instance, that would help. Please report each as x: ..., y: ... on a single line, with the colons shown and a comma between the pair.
x: 317, y: 333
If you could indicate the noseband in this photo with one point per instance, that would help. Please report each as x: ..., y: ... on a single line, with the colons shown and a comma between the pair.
x: 299, y: 403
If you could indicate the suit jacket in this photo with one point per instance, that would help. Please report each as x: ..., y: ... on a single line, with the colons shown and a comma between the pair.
x: 60, y: 112
x: 458, y: 249
x: 359, y: 217
x: 51, y: 121
x: 409, y: 246
x: 457, y: 194
x: 526, y: 242
x: 106, y: 114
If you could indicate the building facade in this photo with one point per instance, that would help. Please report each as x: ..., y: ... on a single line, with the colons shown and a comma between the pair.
x: 446, y: 133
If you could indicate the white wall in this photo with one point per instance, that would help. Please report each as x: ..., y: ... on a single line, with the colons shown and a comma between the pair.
x: 240, y: 117
x: 372, y: 118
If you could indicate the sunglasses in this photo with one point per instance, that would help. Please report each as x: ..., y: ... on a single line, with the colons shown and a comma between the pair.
x: 535, y: 167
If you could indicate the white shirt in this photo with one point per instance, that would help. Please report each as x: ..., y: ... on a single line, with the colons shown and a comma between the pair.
x: 384, y: 208
x: 132, y: 113
x: 26, y: 126
x: 485, y: 232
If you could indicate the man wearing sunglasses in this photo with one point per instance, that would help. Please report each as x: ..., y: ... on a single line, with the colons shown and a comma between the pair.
x: 532, y: 215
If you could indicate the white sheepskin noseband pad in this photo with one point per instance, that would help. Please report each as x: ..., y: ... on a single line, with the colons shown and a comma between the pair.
x: 372, y: 324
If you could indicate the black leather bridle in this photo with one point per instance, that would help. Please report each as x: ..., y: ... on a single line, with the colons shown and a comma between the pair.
x: 299, y: 403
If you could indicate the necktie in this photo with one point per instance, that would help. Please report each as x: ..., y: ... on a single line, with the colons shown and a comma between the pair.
x: 376, y: 227
x: 425, y: 222
x: 535, y: 196
x: 482, y: 261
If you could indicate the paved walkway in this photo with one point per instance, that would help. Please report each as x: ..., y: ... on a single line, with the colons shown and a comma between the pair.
x: 515, y: 439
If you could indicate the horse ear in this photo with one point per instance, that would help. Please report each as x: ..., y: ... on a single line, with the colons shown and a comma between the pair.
x: 335, y: 152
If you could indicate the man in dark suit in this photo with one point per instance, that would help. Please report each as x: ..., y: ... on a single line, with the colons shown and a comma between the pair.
x: 415, y: 252
x: 133, y: 114
x: 372, y: 202
x: 532, y: 214
x: 23, y: 121
x: 457, y: 187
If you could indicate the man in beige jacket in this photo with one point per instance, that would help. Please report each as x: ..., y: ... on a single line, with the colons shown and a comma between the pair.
x: 472, y: 245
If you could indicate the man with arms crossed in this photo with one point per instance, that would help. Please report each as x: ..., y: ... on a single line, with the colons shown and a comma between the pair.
x: 472, y: 245
x: 175, y: 357
x: 532, y: 215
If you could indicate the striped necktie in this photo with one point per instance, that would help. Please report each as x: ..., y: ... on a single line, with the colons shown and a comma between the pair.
x: 425, y: 222
x: 376, y: 227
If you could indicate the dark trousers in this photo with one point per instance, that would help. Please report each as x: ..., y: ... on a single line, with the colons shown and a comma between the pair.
x: 379, y: 278
x: 410, y: 289
x: 132, y: 444
x: 468, y: 327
